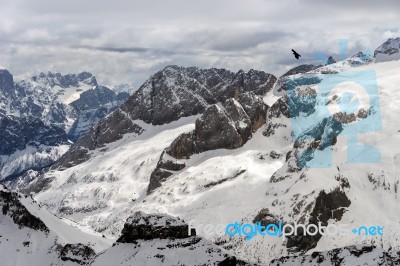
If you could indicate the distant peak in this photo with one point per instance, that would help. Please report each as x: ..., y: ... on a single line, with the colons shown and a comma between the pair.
x: 330, y: 61
x: 389, y: 50
x: 57, y: 79
x: 172, y: 67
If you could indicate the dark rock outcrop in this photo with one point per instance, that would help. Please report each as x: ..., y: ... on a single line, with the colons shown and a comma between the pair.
x: 319, y: 137
x: 6, y: 85
x: 77, y: 253
x: 178, y: 92
x: 92, y: 106
x: 255, y: 108
x: 228, y: 126
x: 221, y: 127
x: 331, y: 205
x: 158, y: 176
x: 17, y: 133
x: 297, y: 96
x: 155, y: 239
x: 389, y: 48
x: 152, y: 226
x: 112, y: 128
x: 12, y: 207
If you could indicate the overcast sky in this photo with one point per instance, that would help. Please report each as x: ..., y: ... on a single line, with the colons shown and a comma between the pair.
x: 125, y: 41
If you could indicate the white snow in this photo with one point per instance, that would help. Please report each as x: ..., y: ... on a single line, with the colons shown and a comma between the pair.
x: 30, y: 157
x: 115, y: 179
x: 22, y: 246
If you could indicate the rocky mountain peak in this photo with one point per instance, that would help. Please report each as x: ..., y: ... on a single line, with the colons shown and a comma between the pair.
x: 6, y: 84
x: 389, y: 50
x: 171, y: 94
x: 330, y: 61
x: 65, y: 81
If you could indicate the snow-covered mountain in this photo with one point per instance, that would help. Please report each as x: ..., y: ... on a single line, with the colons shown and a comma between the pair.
x: 168, y: 95
x: 215, y: 147
x: 127, y: 88
x: 40, y: 115
x: 388, y: 51
x: 301, y: 69
x: 30, y: 235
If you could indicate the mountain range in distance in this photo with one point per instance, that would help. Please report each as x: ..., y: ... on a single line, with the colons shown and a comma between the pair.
x: 97, y: 176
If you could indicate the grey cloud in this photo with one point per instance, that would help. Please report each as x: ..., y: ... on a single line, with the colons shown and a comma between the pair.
x: 126, y: 41
x: 126, y: 49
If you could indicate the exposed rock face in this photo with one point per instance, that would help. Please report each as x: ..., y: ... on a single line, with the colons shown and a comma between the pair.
x: 112, y: 128
x: 297, y: 96
x: 158, y: 176
x: 12, y: 207
x: 228, y: 126
x: 218, y: 128
x: 389, y: 50
x: 359, y: 59
x: 301, y: 69
x: 177, y: 92
x: 77, y: 253
x: 65, y: 81
x: 92, y: 106
x: 17, y: 133
x: 255, y: 108
x: 221, y: 127
x: 7, y: 87
x: 38, y: 112
x: 152, y: 226
x: 327, y: 206
x: 265, y: 217
x: 319, y: 137
x: 345, y: 256
x: 280, y: 107
x: 330, y: 61
x: 156, y: 239
x: 47, y: 96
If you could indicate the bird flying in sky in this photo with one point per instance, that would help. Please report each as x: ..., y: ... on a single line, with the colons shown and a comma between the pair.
x: 296, y: 54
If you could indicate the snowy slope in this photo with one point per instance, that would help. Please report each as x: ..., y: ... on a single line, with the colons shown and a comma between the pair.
x: 30, y: 235
x: 113, y: 179
x: 30, y: 158
x: 223, y: 186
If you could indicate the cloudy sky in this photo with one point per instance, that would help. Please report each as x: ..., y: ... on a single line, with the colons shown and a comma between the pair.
x: 125, y: 41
